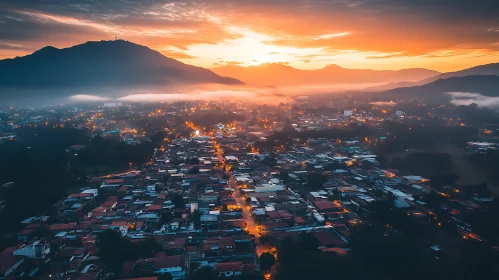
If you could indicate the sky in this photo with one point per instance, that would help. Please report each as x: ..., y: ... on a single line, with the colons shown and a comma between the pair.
x: 443, y: 35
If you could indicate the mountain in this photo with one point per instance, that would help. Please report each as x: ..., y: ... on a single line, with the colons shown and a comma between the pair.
x: 97, y: 64
x: 485, y: 85
x: 487, y: 69
x: 281, y: 75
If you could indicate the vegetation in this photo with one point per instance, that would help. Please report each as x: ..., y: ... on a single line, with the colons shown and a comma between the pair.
x: 114, y: 250
x: 376, y: 255
x: 204, y: 273
x: 43, y: 168
x: 178, y: 201
x: 267, y: 260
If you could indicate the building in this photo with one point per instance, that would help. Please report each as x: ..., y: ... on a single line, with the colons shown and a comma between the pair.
x: 121, y: 226
x: 36, y: 250
x: 162, y: 265
x: 229, y: 269
x: 347, y: 113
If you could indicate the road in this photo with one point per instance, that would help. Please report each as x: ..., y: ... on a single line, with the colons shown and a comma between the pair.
x: 251, y: 225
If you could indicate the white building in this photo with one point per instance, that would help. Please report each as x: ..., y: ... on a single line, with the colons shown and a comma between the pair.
x: 36, y: 250
x: 347, y: 113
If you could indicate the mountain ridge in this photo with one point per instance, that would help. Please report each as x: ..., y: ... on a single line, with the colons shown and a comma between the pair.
x: 435, y: 92
x: 279, y: 74
x: 479, y: 70
x: 101, y: 63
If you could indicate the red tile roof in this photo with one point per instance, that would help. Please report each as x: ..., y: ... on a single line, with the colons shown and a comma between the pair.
x: 230, y: 266
x: 68, y: 226
x: 168, y: 261
x: 328, y: 239
x: 154, y: 207
x: 273, y: 215
x: 8, y: 260
x: 114, y: 181
x: 299, y: 220
x: 119, y: 223
x: 338, y: 251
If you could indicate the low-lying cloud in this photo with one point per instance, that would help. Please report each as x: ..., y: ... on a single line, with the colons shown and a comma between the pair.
x: 87, y: 98
x: 215, y: 93
x: 220, y: 96
x: 468, y: 98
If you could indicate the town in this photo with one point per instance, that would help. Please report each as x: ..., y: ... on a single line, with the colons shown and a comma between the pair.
x: 206, y: 190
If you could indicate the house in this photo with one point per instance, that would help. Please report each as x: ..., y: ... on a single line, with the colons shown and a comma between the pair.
x: 229, y: 269
x: 209, y: 197
x: 36, y: 250
x: 121, y: 226
x: 218, y: 246
x: 62, y: 227
x: 9, y: 262
x: 209, y: 222
x: 161, y: 265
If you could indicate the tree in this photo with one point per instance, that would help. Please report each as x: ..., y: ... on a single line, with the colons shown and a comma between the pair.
x: 40, y: 232
x: 196, y: 218
x: 165, y: 276
x: 110, y: 246
x: 193, y: 160
x: 194, y: 170
x: 166, y: 217
x: 178, y: 201
x: 308, y: 242
x: 267, y: 260
x: 315, y: 180
x: 200, y: 186
x: 284, y: 176
x: 204, y: 273
x: 114, y: 249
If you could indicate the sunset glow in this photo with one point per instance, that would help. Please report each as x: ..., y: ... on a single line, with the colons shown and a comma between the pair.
x: 303, y: 34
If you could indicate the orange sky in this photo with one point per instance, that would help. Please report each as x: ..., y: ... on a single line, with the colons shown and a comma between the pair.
x: 443, y: 35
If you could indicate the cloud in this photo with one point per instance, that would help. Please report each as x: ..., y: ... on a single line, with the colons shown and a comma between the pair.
x: 388, y: 55
x: 468, y: 98
x: 87, y: 98
x: 9, y: 46
x: 392, y: 30
x: 226, y: 63
x: 334, y: 35
x: 250, y: 95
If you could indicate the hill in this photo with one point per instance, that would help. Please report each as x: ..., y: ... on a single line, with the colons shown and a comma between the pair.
x: 481, y: 70
x: 485, y: 85
x: 97, y: 64
x: 281, y: 75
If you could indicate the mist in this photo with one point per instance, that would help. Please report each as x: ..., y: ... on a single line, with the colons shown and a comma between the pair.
x: 468, y: 98
x: 171, y: 93
x: 205, y: 92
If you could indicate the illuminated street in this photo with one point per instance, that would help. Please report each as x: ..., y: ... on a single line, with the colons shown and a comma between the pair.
x: 251, y: 225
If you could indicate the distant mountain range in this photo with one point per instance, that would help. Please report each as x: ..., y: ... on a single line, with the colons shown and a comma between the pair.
x: 120, y: 64
x: 283, y: 75
x: 105, y: 63
x: 487, y: 85
x: 487, y: 69
x: 435, y: 92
